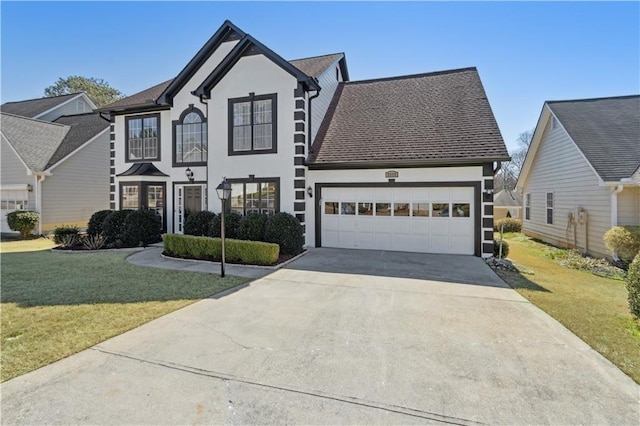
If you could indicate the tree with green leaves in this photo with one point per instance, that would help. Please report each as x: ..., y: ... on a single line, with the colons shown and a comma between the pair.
x: 96, y: 88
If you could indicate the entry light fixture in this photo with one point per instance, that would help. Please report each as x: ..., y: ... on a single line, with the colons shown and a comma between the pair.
x: 310, y: 192
x: 189, y: 174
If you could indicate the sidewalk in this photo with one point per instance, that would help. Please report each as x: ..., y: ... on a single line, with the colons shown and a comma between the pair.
x: 152, y: 256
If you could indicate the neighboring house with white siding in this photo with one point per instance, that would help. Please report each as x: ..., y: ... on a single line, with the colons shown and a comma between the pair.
x: 581, y: 175
x: 403, y: 163
x: 507, y: 202
x: 55, y: 160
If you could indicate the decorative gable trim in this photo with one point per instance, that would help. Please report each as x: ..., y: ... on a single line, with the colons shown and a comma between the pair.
x: 250, y: 46
x: 227, y: 32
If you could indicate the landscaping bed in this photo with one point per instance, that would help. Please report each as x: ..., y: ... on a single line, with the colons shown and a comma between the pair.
x: 593, y: 307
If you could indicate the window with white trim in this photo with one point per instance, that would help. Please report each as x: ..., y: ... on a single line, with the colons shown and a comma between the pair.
x: 549, y: 208
x: 527, y: 206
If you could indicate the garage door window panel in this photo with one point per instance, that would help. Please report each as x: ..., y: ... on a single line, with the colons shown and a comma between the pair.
x: 348, y: 208
x: 365, y: 209
x: 401, y: 209
x: 331, y: 207
x: 420, y: 209
x: 383, y: 209
x: 461, y: 210
x: 440, y: 209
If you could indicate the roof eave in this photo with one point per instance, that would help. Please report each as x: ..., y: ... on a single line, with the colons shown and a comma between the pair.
x: 381, y: 164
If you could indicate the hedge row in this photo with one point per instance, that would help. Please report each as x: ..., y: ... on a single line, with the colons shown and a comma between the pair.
x: 280, y: 228
x: 207, y: 248
x: 126, y: 228
x: 508, y: 224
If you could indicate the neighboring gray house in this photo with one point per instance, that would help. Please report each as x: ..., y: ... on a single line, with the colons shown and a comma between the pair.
x: 403, y: 163
x: 581, y: 175
x: 507, y: 202
x: 55, y: 160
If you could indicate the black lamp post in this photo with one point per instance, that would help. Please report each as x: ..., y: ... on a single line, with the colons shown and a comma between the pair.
x: 224, y: 193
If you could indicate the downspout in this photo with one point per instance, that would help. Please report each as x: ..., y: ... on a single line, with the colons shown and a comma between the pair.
x: 39, y: 179
x: 206, y: 167
x: 614, y: 204
x: 309, y: 142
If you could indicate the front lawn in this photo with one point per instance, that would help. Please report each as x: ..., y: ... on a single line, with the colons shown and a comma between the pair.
x: 594, y: 308
x: 56, y: 304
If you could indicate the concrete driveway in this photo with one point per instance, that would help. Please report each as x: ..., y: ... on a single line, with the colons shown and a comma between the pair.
x: 339, y: 337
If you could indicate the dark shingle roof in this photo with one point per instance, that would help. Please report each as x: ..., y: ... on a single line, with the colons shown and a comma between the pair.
x: 145, y: 97
x: 507, y: 199
x: 83, y: 127
x: 41, y: 144
x: 316, y: 65
x: 606, y: 130
x: 430, y: 118
x: 33, y: 107
x: 35, y: 141
x: 312, y: 67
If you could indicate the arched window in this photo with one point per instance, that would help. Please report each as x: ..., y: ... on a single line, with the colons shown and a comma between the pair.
x: 190, y: 138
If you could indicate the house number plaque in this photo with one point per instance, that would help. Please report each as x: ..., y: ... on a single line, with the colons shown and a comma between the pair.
x: 391, y: 174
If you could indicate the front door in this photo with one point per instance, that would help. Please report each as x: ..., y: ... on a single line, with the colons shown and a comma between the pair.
x: 189, y: 200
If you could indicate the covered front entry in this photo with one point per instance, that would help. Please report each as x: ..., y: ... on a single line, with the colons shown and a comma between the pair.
x: 411, y: 219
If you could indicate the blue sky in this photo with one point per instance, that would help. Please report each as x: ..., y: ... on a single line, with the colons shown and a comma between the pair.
x: 526, y: 53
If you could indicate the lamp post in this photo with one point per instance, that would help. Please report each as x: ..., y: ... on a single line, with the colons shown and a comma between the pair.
x: 224, y: 193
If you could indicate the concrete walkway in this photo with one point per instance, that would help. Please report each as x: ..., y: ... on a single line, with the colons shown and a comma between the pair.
x: 339, y: 337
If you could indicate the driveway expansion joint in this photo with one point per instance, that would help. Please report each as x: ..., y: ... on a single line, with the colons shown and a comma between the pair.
x: 225, y: 377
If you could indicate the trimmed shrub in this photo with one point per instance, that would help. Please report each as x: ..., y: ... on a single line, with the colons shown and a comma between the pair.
x: 142, y: 227
x: 61, y: 232
x: 207, y: 248
x: 496, y: 248
x: 23, y: 222
x: 510, y: 224
x: 114, y: 229
x: 252, y: 227
x: 231, y: 223
x: 633, y: 287
x: 623, y: 242
x: 286, y: 231
x: 96, y: 221
x: 199, y: 223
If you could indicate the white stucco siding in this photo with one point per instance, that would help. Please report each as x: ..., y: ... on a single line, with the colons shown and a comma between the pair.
x: 629, y: 206
x: 70, y: 108
x: 78, y: 186
x: 328, y: 84
x: 406, y: 175
x: 253, y: 74
x: 559, y: 167
x: 183, y: 98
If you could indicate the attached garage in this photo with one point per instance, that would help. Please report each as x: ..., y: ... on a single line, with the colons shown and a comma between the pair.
x: 412, y: 218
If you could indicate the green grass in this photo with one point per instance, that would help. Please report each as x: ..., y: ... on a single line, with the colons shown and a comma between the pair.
x: 594, y: 308
x: 56, y: 304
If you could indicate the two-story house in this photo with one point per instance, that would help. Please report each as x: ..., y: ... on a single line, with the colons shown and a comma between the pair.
x: 55, y: 160
x: 402, y: 163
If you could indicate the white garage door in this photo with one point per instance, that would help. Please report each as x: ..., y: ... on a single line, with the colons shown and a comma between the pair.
x: 427, y: 220
x: 10, y: 201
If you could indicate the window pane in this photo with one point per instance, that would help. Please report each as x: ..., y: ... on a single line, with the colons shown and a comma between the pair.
x: 150, y: 137
x: 550, y: 216
x: 129, y: 197
x: 179, y: 143
x: 330, y: 207
x: 549, y: 199
x: 420, y: 210
x: 262, y: 136
x: 268, y: 198
x: 135, y: 139
x: 192, y: 117
x: 252, y: 198
x: 242, y: 114
x: 440, y: 210
x: 237, y: 197
x: 348, y: 208
x: 262, y: 111
x: 242, y: 138
x: 461, y: 210
x: 383, y: 209
x: 365, y: 209
x: 401, y: 209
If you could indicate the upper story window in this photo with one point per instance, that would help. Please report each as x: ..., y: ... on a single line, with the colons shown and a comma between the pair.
x: 190, y: 138
x: 143, y: 137
x: 252, y: 125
